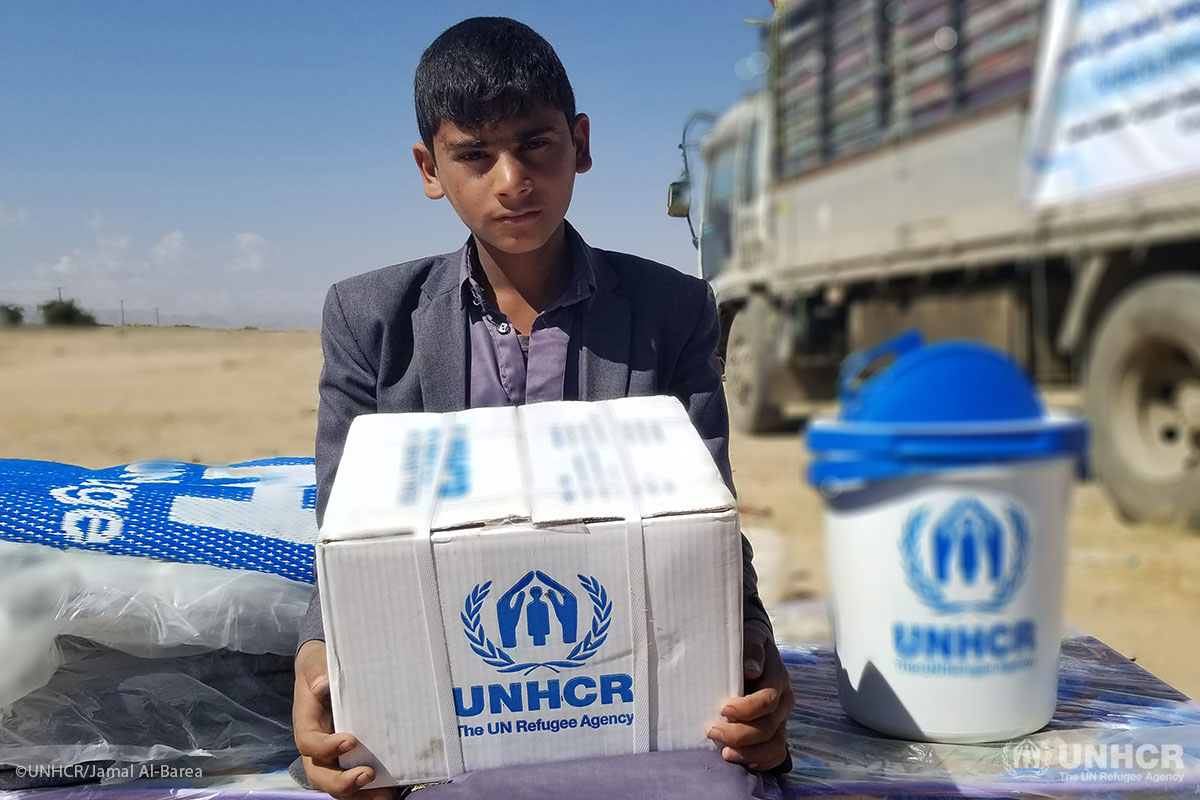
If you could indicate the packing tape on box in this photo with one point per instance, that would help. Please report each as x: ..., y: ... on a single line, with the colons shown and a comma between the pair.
x: 639, y: 619
x: 432, y: 607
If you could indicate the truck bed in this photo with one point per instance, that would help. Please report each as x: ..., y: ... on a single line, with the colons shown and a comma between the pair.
x: 951, y: 198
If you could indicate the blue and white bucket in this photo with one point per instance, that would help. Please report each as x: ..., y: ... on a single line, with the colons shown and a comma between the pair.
x: 947, y: 488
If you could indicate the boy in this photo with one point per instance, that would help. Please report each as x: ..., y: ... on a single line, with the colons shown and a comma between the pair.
x: 524, y: 312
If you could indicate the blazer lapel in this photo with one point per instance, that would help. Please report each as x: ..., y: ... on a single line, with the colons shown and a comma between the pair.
x: 440, y: 328
x: 607, y: 328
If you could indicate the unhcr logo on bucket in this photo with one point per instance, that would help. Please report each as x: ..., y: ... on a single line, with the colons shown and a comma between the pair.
x: 969, y: 560
x: 1077, y: 762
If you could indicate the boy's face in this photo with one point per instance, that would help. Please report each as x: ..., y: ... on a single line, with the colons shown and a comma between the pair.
x: 511, y: 182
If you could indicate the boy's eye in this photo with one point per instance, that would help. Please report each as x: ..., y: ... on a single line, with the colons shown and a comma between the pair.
x: 534, y: 144
x: 472, y: 155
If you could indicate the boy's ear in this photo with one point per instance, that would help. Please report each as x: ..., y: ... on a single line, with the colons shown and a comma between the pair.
x: 428, y: 169
x: 581, y: 132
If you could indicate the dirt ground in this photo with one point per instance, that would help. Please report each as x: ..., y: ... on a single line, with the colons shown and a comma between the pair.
x: 109, y: 396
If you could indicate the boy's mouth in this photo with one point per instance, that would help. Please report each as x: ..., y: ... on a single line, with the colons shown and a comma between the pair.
x: 519, y: 217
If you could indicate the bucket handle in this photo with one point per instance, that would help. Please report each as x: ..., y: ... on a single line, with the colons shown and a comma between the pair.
x: 855, y: 364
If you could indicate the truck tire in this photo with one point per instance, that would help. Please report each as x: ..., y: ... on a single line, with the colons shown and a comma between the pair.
x: 750, y: 363
x: 1142, y: 396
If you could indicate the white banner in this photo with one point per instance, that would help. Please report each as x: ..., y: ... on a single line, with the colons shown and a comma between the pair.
x: 1116, y: 98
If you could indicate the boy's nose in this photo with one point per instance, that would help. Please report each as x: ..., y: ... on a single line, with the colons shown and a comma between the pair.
x: 512, y: 177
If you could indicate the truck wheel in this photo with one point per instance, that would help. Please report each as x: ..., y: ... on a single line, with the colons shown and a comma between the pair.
x: 1142, y: 395
x: 749, y: 367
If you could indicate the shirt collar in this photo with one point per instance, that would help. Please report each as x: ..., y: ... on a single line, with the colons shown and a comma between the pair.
x: 581, y: 287
x: 471, y: 291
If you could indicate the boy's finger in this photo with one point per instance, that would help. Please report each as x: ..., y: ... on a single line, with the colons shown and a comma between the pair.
x: 753, y: 653
x: 309, y: 711
x: 743, y: 734
x: 754, y: 643
x: 315, y: 678
x: 324, y: 746
x: 761, y: 756
x: 312, y: 727
x: 752, y: 706
x: 312, y: 668
x: 318, y: 685
x: 337, y: 782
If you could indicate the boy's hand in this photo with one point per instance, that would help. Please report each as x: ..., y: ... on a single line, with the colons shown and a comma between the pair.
x: 753, y: 731
x: 312, y: 723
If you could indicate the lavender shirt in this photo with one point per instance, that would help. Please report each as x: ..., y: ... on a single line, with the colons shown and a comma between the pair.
x: 502, y: 373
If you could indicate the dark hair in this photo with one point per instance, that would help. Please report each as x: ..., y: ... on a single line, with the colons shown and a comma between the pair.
x: 486, y: 70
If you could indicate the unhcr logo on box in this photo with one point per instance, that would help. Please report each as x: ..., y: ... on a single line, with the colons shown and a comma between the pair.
x: 538, y: 612
x: 1077, y: 762
x: 543, y: 595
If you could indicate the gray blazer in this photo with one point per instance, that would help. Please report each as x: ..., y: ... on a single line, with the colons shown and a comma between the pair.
x: 395, y: 340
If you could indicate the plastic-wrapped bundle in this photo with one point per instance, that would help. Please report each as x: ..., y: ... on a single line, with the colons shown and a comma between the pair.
x: 111, y: 710
x: 140, y: 606
x: 230, y: 548
x: 149, y: 612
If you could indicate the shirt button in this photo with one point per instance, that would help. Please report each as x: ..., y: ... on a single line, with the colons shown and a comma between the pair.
x: 503, y: 328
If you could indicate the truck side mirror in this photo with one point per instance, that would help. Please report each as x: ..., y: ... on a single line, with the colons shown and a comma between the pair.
x: 679, y: 199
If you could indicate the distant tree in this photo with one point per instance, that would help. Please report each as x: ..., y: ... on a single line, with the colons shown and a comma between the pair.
x: 65, y: 312
x: 11, y: 314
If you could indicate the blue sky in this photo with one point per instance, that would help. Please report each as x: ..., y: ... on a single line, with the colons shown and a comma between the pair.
x: 226, y: 161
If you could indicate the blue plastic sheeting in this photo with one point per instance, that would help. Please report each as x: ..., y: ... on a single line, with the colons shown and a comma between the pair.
x: 1110, y: 710
x: 256, y: 515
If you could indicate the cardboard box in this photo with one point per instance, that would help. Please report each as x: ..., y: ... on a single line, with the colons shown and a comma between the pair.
x: 512, y: 585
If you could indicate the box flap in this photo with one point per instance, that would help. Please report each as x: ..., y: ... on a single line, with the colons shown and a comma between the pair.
x: 483, y: 474
x: 579, y: 448
x: 384, y: 477
x: 673, y: 472
x: 578, y: 475
x: 387, y: 474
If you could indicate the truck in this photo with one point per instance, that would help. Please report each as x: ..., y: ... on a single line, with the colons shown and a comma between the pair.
x: 878, y: 183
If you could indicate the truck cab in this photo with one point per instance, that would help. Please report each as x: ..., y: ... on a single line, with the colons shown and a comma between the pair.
x: 735, y: 226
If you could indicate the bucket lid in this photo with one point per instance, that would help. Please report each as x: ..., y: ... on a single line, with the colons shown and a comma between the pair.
x: 943, y: 406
